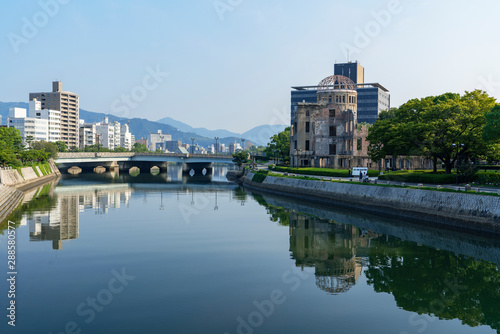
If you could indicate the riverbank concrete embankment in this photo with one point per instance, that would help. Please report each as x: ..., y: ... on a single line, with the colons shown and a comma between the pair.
x: 471, y: 212
x: 13, y: 184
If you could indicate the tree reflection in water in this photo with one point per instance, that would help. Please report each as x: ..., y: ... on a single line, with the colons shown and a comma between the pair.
x: 422, y: 279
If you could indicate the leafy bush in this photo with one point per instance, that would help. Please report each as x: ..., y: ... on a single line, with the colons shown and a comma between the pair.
x: 488, y: 178
x: 259, y: 177
x: 419, y: 177
x: 320, y: 171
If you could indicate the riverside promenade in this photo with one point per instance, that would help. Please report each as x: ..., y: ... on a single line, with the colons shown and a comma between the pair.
x: 475, y: 213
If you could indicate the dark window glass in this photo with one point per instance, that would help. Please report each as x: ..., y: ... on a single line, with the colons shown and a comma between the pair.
x: 333, y: 149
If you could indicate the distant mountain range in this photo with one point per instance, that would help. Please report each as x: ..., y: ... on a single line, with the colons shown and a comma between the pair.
x: 259, y: 135
x: 140, y: 128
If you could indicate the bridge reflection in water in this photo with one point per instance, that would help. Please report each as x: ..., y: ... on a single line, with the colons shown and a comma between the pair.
x: 52, y: 214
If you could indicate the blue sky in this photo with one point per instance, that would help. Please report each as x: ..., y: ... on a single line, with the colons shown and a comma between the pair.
x: 231, y: 63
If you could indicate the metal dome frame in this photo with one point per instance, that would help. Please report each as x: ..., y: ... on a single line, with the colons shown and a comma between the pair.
x: 336, y: 82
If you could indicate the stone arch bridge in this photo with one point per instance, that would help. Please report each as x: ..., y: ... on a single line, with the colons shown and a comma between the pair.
x: 87, y: 161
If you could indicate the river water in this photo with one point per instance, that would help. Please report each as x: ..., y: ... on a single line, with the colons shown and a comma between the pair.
x: 170, y: 253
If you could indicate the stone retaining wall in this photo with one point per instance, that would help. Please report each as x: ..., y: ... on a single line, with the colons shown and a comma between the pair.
x: 11, y: 177
x: 459, y: 210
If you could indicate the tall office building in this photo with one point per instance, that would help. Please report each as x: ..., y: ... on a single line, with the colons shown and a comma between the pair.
x: 68, y: 104
x: 372, y: 97
x: 353, y: 71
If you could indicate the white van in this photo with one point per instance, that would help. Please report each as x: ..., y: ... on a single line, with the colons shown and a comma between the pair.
x: 357, y: 170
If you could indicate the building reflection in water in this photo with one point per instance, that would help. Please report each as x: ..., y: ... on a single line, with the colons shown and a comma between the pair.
x: 334, y: 250
x: 61, y: 221
x: 58, y: 224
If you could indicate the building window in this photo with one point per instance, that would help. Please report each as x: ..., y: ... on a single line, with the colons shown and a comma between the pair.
x: 332, y: 112
x: 307, y: 145
x: 294, y: 144
x: 333, y: 131
x: 360, y: 144
x: 333, y: 149
x: 307, y: 113
x: 307, y: 127
x: 294, y: 128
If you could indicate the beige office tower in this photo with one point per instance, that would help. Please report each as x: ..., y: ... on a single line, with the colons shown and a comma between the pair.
x: 68, y: 104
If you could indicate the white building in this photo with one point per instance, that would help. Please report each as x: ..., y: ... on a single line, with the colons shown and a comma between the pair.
x: 157, y: 138
x: 105, y: 133
x: 38, y: 123
x: 53, y: 116
x: 117, y: 133
x: 37, y: 129
x: 126, y: 137
x: 87, y: 134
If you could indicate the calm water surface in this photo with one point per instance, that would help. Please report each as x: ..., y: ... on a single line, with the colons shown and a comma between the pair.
x: 172, y: 254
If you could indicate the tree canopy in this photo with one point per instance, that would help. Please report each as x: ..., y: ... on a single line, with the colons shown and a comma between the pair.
x: 443, y: 128
x: 279, y: 146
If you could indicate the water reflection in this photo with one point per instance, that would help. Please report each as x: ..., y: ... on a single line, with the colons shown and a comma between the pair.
x: 57, y: 224
x: 53, y: 214
x: 174, y: 174
x: 334, y: 250
x: 422, y: 279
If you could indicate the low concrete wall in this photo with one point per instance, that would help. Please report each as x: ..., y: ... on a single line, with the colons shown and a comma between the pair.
x: 28, y: 173
x: 11, y: 177
x: 458, y: 210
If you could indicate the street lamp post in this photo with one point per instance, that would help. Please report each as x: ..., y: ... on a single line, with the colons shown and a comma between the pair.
x: 216, y: 147
x: 192, y: 145
x: 162, y: 143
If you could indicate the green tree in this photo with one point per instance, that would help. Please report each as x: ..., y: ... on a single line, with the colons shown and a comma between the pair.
x: 120, y: 149
x: 50, y: 148
x: 61, y: 146
x: 96, y: 148
x: 280, y: 146
x: 139, y: 148
x: 447, y: 128
x: 239, y: 158
x: 11, y: 140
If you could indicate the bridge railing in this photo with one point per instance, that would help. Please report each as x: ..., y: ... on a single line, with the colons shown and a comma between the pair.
x: 65, y: 155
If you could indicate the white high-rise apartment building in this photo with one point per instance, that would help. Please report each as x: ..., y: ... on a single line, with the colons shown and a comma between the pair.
x: 87, y: 133
x: 68, y: 104
x: 126, y: 137
x: 105, y: 133
x: 53, y: 116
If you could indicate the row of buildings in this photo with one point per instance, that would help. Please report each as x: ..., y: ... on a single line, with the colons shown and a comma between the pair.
x: 54, y: 116
x: 105, y: 134
x: 163, y: 142
x: 329, y: 122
